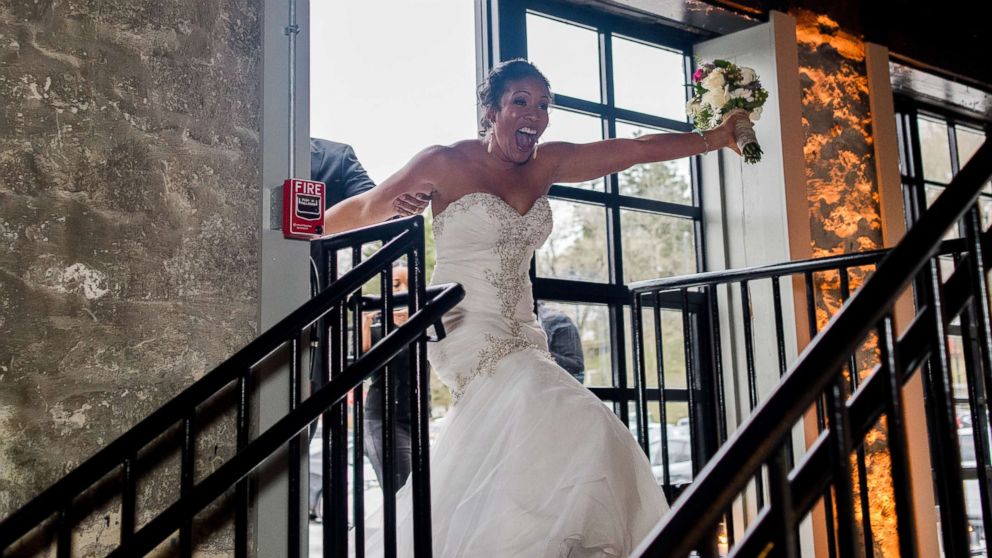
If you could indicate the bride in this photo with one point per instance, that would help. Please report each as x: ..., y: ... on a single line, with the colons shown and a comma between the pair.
x: 530, y: 463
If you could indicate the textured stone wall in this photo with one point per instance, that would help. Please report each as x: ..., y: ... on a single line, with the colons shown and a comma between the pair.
x: 129, y: 149
x: 842, y: 189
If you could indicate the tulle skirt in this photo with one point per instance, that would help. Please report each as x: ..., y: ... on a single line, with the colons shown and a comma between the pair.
x: 531, y: 464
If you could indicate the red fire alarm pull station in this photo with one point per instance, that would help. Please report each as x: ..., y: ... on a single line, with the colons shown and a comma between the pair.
x: 303, y: 208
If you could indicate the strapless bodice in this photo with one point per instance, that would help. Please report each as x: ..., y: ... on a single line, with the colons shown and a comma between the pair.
x: 484, y: 244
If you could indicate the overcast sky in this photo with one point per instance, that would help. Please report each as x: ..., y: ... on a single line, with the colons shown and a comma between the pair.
x: 392, y: 77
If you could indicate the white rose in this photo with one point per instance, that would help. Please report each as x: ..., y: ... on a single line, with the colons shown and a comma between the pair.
x: 755, y: 114
x: 741, y: 93
x: 716, y: 98
x: 714, y: 80
x: 747, y: 76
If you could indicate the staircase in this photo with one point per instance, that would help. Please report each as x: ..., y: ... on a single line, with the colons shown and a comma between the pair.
x: 47, y: 522
x: 759, y: 461
x: 824, y: 382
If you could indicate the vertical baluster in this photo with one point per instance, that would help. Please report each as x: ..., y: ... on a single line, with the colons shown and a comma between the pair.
x: 821, y: 419
x: 295, y: 544
x: 980, y: 368
x: 944, y: 451
x: 63, y: 547
x: 783, y: 516
x: 855, y: 382
x: 692, y: 381
x: 840, y: 436
x: 329, y: 489
x: 780, y: 346
x: 752, y: 382
x: 901, y: 482
x: 639, y: 374
x: 420, y: 394
x: 335, y: 432
x: 339, y: 444
x: 186, y: 481
x: 779, y: 327
x: 666, y: 476
x: 714, y: 307
x: 128, y: 498
x: 388, y: 421
x: 241, y: 500
x: 708, y: 545
x: 358, y: 434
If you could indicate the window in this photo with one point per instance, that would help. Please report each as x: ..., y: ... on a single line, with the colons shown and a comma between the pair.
x: 612, y: 78
x: 933, y: 146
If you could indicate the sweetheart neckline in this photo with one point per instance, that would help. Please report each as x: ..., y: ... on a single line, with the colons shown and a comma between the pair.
x: 505, y: 203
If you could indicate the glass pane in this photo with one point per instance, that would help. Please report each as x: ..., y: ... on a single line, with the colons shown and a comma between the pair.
x: 985, y: 211
x: 670, y: 181
x: 649, y: 79
x: 656, y: 245
x: 672, y: 349
x: 577, y: 246
x: 968, y: 143
x: 902, y: 142
x: 936, y: 150
x: 955, y: 350
x: 679, y: 445
x: 575, y: 127
x: 567, y: 54
x: 590, y: 324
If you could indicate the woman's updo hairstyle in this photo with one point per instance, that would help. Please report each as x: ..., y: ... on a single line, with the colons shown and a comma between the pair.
x: 493, y: 88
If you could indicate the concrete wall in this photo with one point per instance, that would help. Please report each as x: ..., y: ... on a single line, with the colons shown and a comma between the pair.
x: 129, y: 157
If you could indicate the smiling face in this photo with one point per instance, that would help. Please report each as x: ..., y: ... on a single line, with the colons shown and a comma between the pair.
x: 520, y: 120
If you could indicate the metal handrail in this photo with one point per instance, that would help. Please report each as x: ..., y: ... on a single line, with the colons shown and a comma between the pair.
x: 811, y: 265
x: 760, y: 438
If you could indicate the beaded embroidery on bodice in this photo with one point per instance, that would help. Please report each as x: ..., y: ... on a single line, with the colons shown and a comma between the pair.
x: 486, y: 245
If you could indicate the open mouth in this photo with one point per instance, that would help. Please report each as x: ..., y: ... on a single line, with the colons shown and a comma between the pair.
x: 526, y: 138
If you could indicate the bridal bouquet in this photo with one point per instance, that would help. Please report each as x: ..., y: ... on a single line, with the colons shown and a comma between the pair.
x: 720, y: 88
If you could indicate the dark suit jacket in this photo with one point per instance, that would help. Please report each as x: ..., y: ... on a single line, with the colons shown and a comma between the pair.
x: 336, y: 165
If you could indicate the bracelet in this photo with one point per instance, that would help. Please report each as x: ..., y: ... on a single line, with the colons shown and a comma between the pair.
x: 705, y: 142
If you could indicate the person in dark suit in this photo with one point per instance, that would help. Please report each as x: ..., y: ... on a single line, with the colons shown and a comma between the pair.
x: 564, y: 342
x: 336, y: 165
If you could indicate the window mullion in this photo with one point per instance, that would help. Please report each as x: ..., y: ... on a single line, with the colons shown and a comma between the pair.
x: 919, y: 187
x: 952, y: 144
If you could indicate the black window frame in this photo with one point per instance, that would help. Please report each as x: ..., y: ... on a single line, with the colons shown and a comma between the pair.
x: 507, y: 40
x: 908, y: 111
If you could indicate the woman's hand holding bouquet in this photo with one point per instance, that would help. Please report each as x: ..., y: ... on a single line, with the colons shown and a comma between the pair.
x: 720, y: 88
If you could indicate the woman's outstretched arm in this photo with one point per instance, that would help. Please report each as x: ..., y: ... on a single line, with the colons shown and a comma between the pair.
x: 577, y: 162
x: 386, y: 200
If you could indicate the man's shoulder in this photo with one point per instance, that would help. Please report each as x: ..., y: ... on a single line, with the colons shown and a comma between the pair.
x: 320, y: 145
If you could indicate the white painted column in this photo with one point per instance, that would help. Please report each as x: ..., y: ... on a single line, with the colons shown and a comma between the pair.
x: 757, y: 215
x: 283, y: 276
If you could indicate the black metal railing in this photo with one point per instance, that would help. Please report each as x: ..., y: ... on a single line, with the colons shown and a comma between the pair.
x: 49, y: 519
x: 715, y: 313
x: 849, y: 377
x: 344, y: 342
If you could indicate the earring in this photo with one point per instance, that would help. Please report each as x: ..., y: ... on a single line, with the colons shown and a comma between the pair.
x: 534, y: 156
x: 489, y: 147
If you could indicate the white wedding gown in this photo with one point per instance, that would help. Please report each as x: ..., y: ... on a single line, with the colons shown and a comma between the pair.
x: 529, y: 462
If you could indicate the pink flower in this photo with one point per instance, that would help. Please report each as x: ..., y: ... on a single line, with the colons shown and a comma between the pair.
x: 696, y: 77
